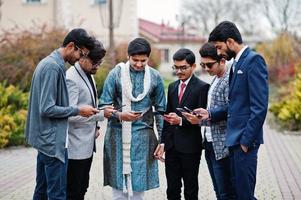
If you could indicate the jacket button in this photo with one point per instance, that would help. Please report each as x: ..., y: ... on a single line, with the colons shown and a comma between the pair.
x: 228, y: 115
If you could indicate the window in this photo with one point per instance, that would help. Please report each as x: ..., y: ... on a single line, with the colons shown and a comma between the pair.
x: 100, y: 1
x: 165, y: 55
x: 33, y: 1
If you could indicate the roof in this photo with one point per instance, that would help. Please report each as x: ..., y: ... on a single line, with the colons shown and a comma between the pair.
x: 165, y: 33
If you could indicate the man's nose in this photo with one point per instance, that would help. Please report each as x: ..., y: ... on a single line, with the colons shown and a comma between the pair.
x: 139, y: 64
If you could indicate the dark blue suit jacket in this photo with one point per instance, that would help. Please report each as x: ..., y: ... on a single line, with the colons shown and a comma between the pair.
x: 248, y: 101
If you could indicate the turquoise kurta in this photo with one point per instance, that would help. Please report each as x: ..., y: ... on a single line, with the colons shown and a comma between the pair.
x: 144, y: 141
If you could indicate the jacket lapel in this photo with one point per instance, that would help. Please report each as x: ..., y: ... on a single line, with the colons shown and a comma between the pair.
x: 188, y: 89
x: 174, y: 93
x: 86, y: 81
x: 237, y: 67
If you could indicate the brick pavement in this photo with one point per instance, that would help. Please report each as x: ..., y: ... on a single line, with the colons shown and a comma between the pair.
x: 278, y: 177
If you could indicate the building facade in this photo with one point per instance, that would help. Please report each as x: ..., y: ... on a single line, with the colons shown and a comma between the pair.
x: 92, y: 15
x: 168, y: 40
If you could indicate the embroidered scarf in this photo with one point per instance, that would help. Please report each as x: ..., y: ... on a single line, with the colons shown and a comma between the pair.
x: 127, y: 99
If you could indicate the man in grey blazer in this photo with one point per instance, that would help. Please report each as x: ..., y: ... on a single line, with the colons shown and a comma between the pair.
x: 48, y: 112
x: 83, y: 130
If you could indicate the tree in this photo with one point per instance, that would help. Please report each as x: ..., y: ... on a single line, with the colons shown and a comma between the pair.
x: 281, y: 15
x: 253, y: 17
x: 206, y: 14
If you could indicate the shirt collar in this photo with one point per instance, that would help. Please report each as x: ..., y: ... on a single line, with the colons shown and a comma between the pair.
x: 58, y: 58
x: 187, y: 81
x: 240, y: 53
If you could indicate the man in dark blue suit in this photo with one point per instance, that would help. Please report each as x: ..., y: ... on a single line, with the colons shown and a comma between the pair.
x: 247, y: 108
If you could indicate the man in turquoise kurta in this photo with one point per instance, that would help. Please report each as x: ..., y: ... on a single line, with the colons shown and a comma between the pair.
x: 130, y: 167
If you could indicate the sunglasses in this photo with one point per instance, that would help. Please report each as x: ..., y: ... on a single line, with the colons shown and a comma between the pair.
x: 209, y: 65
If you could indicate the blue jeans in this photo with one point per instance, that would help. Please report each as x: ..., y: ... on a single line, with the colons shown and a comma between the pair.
x: 220, y: 172
x: 51, y: 179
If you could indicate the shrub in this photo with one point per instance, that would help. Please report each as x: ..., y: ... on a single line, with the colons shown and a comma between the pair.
x: 21, y: 51
x: 282, y: 56
x: 288, y: 110
x: 13, y: 104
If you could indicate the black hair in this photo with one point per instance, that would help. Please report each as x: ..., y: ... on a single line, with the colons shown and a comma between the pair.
x: 80, y: 38
x: 97, y: 53
x: 184, y: 54
x: 139, y: 46
x: 224, y: 31
x: 209, y: 50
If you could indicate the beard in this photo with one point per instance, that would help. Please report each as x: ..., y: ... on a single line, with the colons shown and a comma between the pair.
x: 229, y: 54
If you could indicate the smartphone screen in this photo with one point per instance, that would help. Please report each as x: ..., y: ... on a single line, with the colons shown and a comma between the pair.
x: 188, y: 109
x: 181, y: 110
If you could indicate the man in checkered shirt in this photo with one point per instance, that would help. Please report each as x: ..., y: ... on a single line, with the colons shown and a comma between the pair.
x: 216, y: 152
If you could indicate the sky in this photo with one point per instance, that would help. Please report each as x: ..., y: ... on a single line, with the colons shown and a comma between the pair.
x: 156, y: 10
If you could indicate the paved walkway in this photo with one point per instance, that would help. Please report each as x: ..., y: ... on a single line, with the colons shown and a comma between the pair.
x: 278, y: 177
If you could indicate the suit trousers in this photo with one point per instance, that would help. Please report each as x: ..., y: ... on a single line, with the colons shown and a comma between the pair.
x: 51, y: 178
x: 78, y: 178
x: 220, y: 172
x: 180, y: 166
x: 243, y: 171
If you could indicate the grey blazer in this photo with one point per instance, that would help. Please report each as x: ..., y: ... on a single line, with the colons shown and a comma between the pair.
x: 81, y: 131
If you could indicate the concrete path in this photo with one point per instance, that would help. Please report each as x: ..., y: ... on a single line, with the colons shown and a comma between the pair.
x: 278, y: 177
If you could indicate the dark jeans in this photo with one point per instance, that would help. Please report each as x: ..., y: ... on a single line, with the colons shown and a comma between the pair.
x: 220, y: 172
x: 51, y: 178
x: 78, y: 178
x: 243, y: 170
x: 182, y: 165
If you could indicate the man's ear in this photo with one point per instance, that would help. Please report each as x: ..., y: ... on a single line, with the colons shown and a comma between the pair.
x: 230, y: 42
x: 222, y: 61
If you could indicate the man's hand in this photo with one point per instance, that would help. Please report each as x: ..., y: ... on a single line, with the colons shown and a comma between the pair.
x: 129, y: 116
x: 244, y: 148
x: 172, y: 118
x: 108, y: 111
x: 87, y: 111
x: 159, y: 152
x: 193, y: 119
x: 201, y: 113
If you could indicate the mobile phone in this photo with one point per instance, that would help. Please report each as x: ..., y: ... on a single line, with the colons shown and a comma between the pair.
x: 188, y: 110
x: 101, y: 108
x: 119, y: 107
x: 181, y: 110
x: 160, y: 112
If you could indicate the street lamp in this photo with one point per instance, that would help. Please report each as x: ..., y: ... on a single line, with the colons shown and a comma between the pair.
x: 110, y: 17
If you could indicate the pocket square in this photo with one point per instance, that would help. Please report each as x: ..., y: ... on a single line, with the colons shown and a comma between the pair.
x: 239, y: 72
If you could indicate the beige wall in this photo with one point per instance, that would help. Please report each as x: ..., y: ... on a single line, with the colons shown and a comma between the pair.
x: 70, y: 14
x: 17, y: 13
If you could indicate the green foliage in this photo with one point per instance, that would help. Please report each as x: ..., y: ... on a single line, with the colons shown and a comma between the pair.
x: 101, y: 76
x: 288, y: 110
x: 13, y: 104
x: 21, y: 51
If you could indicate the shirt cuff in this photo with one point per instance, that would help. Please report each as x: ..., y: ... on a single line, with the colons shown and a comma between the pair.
x: 180, y: 124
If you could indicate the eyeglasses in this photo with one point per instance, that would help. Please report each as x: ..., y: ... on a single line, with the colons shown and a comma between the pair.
x: 209, y: 65
x: 94, y: 65
x: 82, y: 52
x: 181, y: 68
